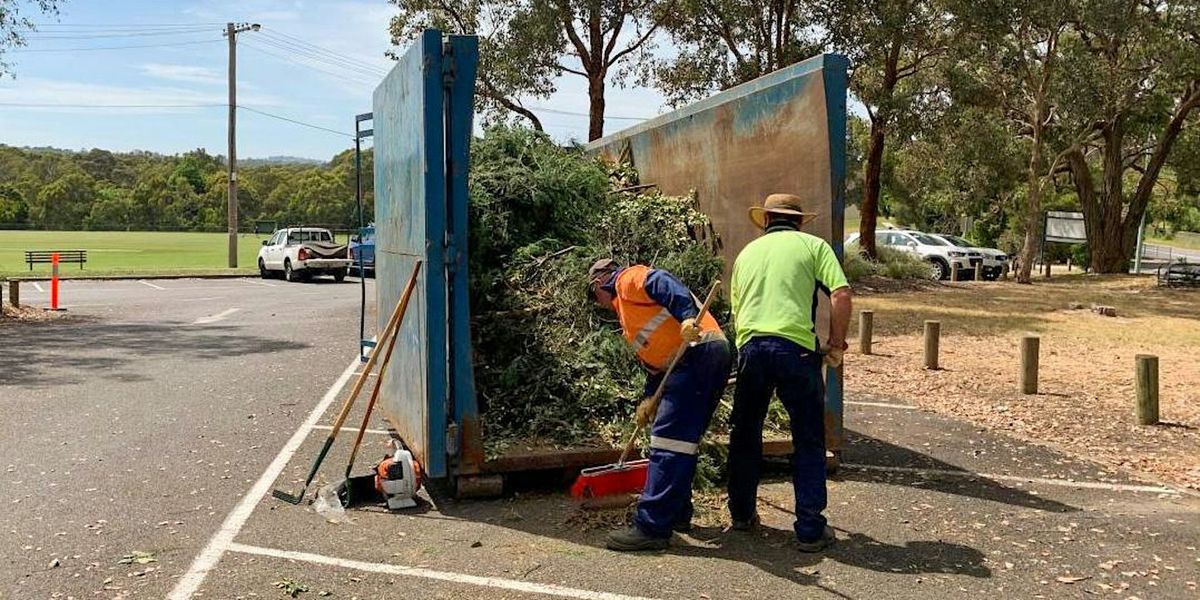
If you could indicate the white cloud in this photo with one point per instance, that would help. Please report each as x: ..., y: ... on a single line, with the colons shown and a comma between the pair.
x: 185, y: 73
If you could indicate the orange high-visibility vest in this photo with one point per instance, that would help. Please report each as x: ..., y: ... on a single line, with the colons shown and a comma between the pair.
x: 648, y: 326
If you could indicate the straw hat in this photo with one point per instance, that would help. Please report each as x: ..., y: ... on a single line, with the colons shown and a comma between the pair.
x: 780, y: 204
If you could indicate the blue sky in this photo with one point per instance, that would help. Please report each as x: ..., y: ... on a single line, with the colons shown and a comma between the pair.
x: 192, y: 71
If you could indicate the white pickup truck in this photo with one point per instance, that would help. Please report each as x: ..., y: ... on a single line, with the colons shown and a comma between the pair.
x: 299, y: 253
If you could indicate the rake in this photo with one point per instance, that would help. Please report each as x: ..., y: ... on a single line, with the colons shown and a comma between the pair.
x: 388, y: 336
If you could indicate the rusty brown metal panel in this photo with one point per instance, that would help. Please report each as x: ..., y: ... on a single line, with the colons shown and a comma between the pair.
x: 770, y: 135
x: 781, y: 133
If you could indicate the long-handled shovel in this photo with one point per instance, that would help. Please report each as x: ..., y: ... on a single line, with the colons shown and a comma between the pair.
x: 628, y: 477
x: 389, y: 332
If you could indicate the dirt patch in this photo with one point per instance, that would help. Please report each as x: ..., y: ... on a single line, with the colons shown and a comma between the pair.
x: 874, y: 284
x: 27, y: 314
x: 1086, y: 392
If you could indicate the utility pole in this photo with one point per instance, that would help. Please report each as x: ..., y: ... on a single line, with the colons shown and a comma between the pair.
x: 231, y: 31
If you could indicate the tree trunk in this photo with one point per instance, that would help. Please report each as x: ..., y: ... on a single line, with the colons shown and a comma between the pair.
x: 596, y: 107
x: 1112, y: 230
x: 1033, y: 213
x: 871, y: 176
x: 871, y: 189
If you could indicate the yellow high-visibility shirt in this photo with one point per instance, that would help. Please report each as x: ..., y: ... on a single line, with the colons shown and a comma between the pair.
x: 775, y: 283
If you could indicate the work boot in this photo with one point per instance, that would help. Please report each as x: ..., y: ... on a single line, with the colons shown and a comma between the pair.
x: 746, y: 525
x: 631, y: 539
x: 682, y: 526
x: 826, y: 540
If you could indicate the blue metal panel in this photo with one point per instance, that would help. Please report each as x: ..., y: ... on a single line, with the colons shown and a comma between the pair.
x: 411, y: 223
x: 461, y: 59
x: 835, y: 112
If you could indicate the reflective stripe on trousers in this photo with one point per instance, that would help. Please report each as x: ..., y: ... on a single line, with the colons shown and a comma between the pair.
x: 680, y: 446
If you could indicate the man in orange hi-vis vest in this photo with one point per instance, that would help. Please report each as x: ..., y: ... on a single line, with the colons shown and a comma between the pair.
x: 658, y: 315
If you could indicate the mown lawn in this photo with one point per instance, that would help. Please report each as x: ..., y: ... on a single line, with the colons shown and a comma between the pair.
x: 128, y: 253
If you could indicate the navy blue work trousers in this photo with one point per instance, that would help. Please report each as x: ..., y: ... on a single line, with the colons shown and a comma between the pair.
x: 688, y: 402
x: 776, y: 366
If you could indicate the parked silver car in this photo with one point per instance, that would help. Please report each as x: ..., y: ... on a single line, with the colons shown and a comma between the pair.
x: 995, y: 262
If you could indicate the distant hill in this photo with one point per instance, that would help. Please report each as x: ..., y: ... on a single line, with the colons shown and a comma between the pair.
x: 279, y: 160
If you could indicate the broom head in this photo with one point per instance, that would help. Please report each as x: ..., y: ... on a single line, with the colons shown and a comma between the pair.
x: 611, y: 480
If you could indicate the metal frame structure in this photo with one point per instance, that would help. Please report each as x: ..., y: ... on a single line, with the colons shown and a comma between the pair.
x: 359, y: 135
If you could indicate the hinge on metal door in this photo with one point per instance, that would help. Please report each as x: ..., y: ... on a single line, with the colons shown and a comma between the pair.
x: 447, y: 65
x: 452, y: 439
x: 451, y: 252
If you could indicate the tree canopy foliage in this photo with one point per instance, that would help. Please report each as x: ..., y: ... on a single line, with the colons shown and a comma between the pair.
x: 102, y: 190
x: 526, y: 44
x: 15, y: 22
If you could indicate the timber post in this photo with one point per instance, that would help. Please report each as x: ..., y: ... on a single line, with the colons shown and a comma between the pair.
x: 1029, y: 364
x: 1147, y: 389
x: 866, y: 324
x: 933, y: 330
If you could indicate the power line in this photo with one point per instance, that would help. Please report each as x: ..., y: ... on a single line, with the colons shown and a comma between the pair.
x: 125, y: 25
x: 568, y: 113
x: 115, y: 34
x: 344, y: 77
x: 91, y: 48
x: 306, y: 56
x: 283, y: 37
x: 102, y: 106
x: 340, y: 62
x: 294, y: 121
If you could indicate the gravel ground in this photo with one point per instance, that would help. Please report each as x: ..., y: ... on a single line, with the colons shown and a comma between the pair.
x: 1086, y: 392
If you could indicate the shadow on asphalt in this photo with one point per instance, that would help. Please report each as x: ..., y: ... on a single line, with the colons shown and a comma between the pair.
x: 76, y: 350
x: 770, y: 549
x: 873, y: 452
x: 773, y: 550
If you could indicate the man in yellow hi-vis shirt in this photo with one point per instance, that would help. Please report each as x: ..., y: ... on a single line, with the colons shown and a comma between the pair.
x: 776, y: 279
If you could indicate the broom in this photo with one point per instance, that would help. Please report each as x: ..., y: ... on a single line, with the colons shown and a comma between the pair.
x: 622, y: 477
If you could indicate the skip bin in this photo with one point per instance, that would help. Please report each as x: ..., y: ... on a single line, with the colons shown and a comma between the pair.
x: 782, y: 132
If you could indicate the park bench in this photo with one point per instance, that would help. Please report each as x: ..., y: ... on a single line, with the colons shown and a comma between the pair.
x: 64, y: 256
x: 1179, y: 274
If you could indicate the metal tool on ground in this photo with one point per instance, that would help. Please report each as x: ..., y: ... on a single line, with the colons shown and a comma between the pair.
x: 629, y: 477
x: 385, y: 337
x: 399, y: 477
x: 387, y: 358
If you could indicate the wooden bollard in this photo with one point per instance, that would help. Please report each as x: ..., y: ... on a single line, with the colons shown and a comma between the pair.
x: 1029, y: 364
x: 953, y: 273
x: 1147, y: 389
x: 979, y: 271
x: 933, y: 330
x: 866, y: 323
x: 14, y: 293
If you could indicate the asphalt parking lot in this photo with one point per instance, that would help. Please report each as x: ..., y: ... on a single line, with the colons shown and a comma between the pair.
x: 158, y: 420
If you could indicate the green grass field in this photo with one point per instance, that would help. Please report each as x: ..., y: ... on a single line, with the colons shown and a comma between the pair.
x: 1188, y: 243
x: 128, y: 253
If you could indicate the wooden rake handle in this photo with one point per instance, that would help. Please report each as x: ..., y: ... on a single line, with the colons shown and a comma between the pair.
x: 662, y: 385
x: 387, y: 358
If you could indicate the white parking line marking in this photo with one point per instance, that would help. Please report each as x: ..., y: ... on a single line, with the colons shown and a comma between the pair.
x: 38, y: 287
x: 1091, y: 485
x: 221, y: 541
x: 548, y: 589
x: 882, y: 405
x: 221, y: 316
x: 255, y: 281
x: 148, y: 284
x: 351, y: 429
